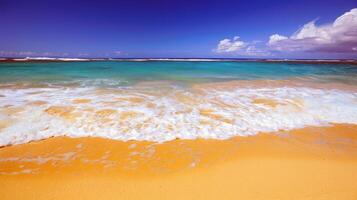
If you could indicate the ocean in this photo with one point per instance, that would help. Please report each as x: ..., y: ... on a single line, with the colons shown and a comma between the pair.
x: 164, y: 100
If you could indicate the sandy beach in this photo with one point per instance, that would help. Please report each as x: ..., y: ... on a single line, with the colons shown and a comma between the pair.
x: 309, y: 163
x: 178, y: 100
x: 292, y: 138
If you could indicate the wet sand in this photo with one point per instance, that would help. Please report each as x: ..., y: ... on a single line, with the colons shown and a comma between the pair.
x: 310, y: 163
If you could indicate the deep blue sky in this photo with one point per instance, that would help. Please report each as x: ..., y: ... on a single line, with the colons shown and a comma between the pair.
x: 175, y: 28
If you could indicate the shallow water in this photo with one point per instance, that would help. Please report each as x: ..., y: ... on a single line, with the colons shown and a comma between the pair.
x: 162, y: 101
x: 113, y: 73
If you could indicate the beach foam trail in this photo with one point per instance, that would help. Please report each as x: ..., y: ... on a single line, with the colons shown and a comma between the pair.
x: 166, y: 113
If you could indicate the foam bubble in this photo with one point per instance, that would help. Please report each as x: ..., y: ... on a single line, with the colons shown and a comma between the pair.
x: 153, y: 115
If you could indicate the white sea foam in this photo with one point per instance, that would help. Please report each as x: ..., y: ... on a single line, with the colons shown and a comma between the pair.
x: 74, y: 59
x: 134, y: 114
x: 81, y: 83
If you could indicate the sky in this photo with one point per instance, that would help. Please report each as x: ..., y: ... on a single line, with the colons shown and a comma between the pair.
x: 179, y: 29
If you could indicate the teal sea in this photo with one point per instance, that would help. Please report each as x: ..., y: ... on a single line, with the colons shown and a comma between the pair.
x: 114, y: 73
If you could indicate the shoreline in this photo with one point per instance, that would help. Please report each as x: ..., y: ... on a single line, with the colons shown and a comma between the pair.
x: 211, y: 110
x: 313, y: 162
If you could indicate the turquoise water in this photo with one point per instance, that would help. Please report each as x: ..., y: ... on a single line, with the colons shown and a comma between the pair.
x: 39, y: 100
x: 125, y: 73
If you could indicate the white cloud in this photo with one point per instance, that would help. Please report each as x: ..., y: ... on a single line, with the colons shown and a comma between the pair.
x: 31, y: 54
x: 339, y: 36
x: 228, y: 45
x: 276, y: 38
x: 15, y: 53
x: 252, y: 50
x: 334, y: 38
x: 239, y: 47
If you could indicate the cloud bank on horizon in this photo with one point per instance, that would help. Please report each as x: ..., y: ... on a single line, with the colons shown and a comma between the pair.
x: 33, y: 54
x: 337, y: 37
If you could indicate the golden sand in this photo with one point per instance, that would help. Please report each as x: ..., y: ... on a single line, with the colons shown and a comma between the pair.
x: 80, y: 101
x: 292, y: 82
x: 310, y: 163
